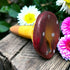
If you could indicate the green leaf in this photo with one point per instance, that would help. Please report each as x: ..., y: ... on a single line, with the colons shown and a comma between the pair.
x: 14, y: 10
x: 13, y: 13
x: 4, y: 26
x: 4, y: 9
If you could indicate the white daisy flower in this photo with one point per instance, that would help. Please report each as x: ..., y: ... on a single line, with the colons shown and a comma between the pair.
x: 28, y: 15
x: 65, y: 5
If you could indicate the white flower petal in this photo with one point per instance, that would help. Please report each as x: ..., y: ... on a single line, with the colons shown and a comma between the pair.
x: 59, y: 2
x: 68, y: 10
x: 64, y: 6
x: 25, y: 10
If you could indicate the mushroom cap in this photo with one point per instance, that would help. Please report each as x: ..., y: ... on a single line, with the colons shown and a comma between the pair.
x: 46, y: 34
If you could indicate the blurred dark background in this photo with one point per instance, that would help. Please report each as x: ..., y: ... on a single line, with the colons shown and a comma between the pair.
x: 9, y: 10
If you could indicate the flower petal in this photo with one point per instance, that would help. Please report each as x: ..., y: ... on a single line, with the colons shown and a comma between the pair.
x: 62, y: 47
x: 26, y: 10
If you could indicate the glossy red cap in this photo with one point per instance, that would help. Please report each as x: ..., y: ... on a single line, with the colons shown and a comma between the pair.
x: 46, y: 34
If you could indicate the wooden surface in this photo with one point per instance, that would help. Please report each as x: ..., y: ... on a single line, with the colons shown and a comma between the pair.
x: 22, y: 54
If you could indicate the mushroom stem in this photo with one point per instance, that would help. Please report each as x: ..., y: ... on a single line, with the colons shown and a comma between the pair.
x: 24, y: 31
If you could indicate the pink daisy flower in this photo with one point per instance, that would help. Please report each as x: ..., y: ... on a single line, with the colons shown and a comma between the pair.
x: 64, y: 47
x: 65, y: 27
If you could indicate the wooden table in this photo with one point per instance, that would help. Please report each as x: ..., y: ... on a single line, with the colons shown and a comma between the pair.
x: 22, y: 54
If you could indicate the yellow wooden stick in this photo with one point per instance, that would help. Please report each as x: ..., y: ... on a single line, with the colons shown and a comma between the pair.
x: 24, y: 31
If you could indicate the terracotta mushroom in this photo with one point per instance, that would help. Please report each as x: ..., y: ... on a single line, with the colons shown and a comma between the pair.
x: 44, y: 34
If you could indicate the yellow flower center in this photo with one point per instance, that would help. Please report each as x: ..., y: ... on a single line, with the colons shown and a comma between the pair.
x: 29, y: 18
x: 67, y: 3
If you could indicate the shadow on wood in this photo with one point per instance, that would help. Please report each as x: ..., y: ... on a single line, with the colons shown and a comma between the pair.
x: 5, y: 64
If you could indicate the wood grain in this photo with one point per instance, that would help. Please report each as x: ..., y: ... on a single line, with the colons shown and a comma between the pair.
x: 24, y: 57
x: 11, y: 44
x: 28, y: 59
